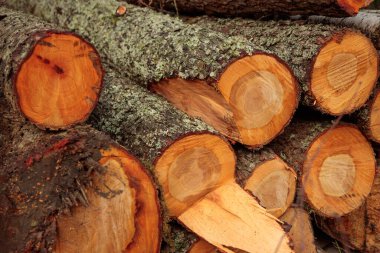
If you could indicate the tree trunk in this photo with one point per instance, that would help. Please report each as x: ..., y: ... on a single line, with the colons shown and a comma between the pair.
x: 42, y: 71
x: 301, y: 231
x: 337, y: 164
x: 367, y: 21
x: 166, y: 139
x: 160, y: 46
x: 360, y: 229
x: 268, y: 178
x: 337, y: 68
x: 258, y: 8
x: 60, y: 190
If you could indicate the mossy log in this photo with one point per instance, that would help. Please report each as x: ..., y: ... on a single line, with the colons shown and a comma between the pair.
x: 360, y: 229
x: 42, y: 70
x: 152, y: 47
x: 336, y: 163
x: 257, y: 8
x: 267, y: 177
x: 336, y: 67
x: 65, y: 192
x: 367, y: 21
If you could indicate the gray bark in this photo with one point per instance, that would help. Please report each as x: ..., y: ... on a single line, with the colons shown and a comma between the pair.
x: 367, y: 21
x: 248, y: 8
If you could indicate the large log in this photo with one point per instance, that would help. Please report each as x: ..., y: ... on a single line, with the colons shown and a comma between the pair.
x: 42, y: 71
x: 337, y: 164
x: 336, y: 67
x: 360, y: 229
x: 74, y: 191
x: 258, y: 8
x: 194, y: 168
x: 257, y: 88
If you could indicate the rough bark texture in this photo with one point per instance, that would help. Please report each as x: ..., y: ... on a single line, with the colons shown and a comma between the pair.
x: 367, y: 21
x: 18, y: 34
x: 360, y: 229
x: 247, y: 161
x: 42, y: 176
x: 297, y: 43
x: 248, y: 8
x: 146, y: 124
x: 146, y: 45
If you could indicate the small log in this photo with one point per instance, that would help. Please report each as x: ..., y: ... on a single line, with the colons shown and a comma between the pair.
x: 301, y: 231
x: 337, y: 164
x: 51, y: 76
x: 360, y: 229
x: 259, y: 89
x: 339, y: 70
x: 65, y: 192
x: 268, y: 178
x: 202, y: 246
x: 258, y: 8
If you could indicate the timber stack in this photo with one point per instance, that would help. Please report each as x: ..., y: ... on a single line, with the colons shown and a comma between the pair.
x: 188, y: 126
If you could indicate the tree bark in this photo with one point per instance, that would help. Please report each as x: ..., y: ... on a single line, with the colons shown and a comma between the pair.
x: 149, y: 47
x: 367, y: 21
x: 360, y: 229
x: 257, y: 8
x: 21, y: 37
x: 303, y: 46
x: 310, y: 147
x: 48, y: 178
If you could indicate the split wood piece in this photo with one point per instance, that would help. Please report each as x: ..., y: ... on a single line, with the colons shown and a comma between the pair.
x: 367, y: 21
x: 268, y: 178
x: 339, y: 70
x: 254, y: 84
x: 337, y: 164
x: 201, y: 246
x: 196, y: 174
x: 50, y: 76
x: 47, y: 176
x: 301, y: 231
x: 258, y: 8
x: 360, y: 229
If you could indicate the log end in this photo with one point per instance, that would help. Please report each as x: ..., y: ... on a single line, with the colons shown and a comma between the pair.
x: 352, y: 7
x: 338, y: 171
x: 201, y: 246
x: 58, y: 83
x: 374, y: 118
x: 344, y: 73
x: 274, y: 183
x: 123, y: 211
x: 263, y: 95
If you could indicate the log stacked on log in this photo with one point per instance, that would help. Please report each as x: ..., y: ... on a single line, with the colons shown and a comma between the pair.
x: 59, y: 190
x: 41, y: 71
x: 252, y: 83
x: 337, y: 68
x: 258, y: 8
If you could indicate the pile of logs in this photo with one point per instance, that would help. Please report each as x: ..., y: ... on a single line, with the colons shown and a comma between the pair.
x: 128, y: 128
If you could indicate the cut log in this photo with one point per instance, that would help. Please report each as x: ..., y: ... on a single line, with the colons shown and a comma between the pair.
x: 268, y: 178
x: 258, y: 8
x: 339, y: 70
x: 65, y: 192
x: 337, y: 164
x: 196, y: 174
x: 201, y: 246
x: 301, y: 231
x: 50, y: 76
x: 367, y: 21
x: 258, y: 87
x: 360, y: 229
